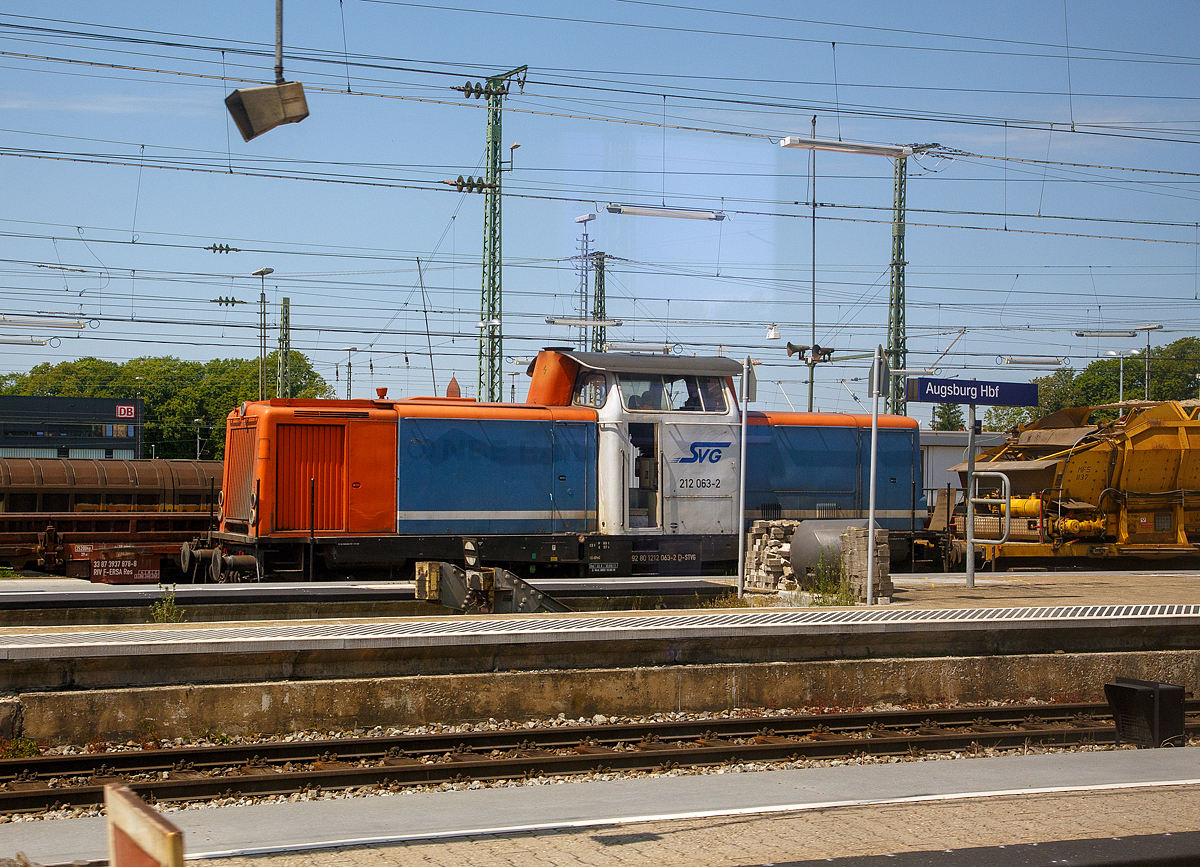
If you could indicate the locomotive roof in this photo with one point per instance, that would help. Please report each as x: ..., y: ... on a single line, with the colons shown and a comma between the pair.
x: 628, y: 362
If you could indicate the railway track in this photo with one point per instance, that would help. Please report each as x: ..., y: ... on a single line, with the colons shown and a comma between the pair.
x: 284, y: 768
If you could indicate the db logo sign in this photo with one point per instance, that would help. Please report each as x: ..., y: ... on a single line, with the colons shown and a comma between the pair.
x: 125, y: 411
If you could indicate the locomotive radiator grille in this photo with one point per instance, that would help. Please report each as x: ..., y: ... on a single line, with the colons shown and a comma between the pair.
x: 239, y: 472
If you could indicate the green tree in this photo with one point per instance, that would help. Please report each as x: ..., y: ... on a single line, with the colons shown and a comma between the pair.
x: 1056, y: 391
x: 1173, y: 370
x: 1007, y: 417
x: 948, y: 416
x: 175, y: 393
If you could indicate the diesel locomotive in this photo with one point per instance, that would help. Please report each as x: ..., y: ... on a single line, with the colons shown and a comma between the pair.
x: 615, y: 465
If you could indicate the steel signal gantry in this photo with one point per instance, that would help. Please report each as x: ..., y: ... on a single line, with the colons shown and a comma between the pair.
x: 491, y: 341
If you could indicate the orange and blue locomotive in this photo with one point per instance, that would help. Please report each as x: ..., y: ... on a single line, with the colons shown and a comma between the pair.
x: 616, y: 465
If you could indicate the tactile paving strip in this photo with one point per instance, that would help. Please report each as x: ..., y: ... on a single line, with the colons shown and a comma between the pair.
x: 449, y: 632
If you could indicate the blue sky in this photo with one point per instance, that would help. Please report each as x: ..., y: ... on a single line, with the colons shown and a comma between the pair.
x: 1064, y: 194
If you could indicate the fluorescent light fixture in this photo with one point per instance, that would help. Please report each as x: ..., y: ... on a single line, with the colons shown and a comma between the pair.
x: 846, y: 147
x: 24, y: 341
x: 1049, y: 360
x: 659, y: 348
x: 680, y: 213
x: 773, y: 332
x: 33, y: 322
x: 490, y: 322
x: 1119, y: 332
x: 1122, y: 353
x: 583, y: 323
x: 262, y: 272
x: 585, y: 218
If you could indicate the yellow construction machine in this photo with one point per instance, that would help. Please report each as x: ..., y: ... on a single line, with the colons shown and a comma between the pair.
x: 1123, y: 491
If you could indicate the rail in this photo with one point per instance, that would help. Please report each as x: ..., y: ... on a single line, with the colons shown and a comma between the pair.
x: 395, y: 762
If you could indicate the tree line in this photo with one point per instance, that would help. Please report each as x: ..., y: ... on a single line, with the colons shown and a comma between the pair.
x: 1174, y: 375
x: 174, y: 393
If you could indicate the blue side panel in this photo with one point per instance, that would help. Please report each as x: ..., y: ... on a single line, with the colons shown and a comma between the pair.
x: 574, y: 477
x: 899, y: 468
x: 799, y: 467
x: 494, y: 476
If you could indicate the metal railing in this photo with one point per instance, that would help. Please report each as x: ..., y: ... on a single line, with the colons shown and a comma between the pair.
x: 1005, y: 502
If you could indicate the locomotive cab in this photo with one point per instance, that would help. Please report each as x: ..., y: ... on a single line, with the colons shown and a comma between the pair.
x: 668, y: 435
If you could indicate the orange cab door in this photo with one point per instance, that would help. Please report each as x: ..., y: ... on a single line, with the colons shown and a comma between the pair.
x: 371, y: 477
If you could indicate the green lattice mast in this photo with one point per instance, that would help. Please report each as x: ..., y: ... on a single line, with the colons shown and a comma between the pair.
x: 599, y: 333
x: 491, y: 308
x: 897, y: 341
x: 283, y: 362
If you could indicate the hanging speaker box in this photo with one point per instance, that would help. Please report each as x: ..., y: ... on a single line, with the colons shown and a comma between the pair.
x: 256, y: 110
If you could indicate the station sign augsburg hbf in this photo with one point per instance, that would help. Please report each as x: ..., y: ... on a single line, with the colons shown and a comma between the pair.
x: 972, y: 391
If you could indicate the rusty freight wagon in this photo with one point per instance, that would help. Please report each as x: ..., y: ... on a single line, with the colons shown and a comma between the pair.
x: 113, y: 521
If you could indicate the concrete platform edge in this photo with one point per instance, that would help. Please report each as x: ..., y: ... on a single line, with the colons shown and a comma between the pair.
x: 82, y: 716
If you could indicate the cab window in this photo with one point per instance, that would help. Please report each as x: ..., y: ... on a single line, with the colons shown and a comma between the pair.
x: 672, y: 392
x: 591, y: 389
x: 643, y: 392
x: 683, y: 393
x: 712, y: 390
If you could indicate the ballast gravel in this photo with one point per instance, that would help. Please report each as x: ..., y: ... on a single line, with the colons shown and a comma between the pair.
x: 561, y: 721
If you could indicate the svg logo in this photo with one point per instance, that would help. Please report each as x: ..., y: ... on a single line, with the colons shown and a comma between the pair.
x: 702, y: 452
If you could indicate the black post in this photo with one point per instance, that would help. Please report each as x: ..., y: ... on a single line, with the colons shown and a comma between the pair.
x: 949, y: 530
x: 312, y: 526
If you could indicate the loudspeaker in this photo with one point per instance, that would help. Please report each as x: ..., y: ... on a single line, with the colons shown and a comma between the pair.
x: 792, y: 349
x: 256, y: 110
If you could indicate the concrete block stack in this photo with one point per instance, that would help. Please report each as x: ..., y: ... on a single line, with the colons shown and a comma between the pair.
x: 854, y: 562
x: 769, y: 556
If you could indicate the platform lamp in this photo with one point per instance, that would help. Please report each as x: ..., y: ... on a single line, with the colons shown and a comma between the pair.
x: 1121, y: 354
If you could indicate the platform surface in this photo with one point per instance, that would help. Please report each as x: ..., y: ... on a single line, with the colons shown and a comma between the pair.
x: 949, y: 590
x: 512, y: 630
x: 987, y: 787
